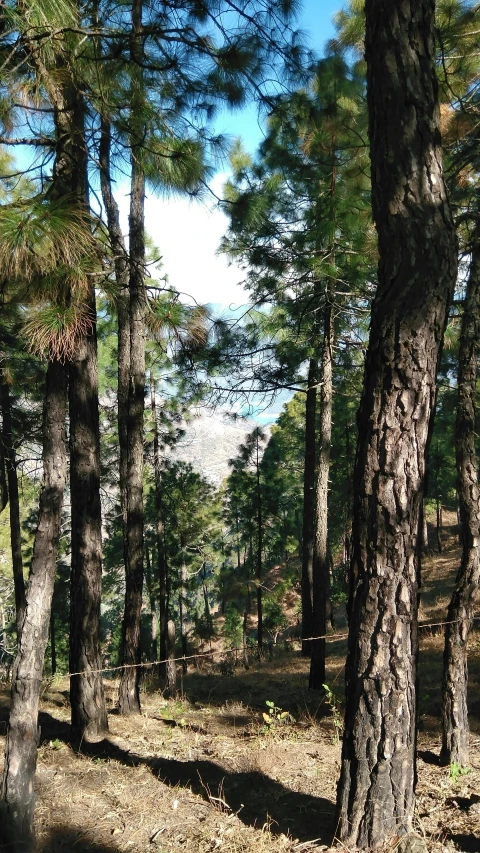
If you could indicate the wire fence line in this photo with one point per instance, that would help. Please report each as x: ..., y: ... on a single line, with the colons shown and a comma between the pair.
x: 211, y: 654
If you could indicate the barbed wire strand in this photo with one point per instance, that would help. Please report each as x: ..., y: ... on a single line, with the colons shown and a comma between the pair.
x: 212, y: 653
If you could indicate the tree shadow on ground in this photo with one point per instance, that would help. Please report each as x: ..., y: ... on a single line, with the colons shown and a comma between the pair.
x: 66, y: 838
x: 465, y: 843
x: 257, y: 799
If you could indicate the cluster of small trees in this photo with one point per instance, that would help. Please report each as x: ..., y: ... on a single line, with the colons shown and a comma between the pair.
x: 97, y: 89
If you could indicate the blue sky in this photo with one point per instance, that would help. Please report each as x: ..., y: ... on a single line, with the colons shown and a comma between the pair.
x: 315, y: 21
x: 188, y: 233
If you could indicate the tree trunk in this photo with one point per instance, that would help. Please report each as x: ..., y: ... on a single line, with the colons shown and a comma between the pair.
x: 439, y: 526
x: 14, y: 503
x: 455, y: 729
x: 171, y: 665
x: 119, y: 251
x: 3, y: 475
x: 424, y: 530
x: 70, y: 183
x: 159, y: 532
x: 129, y: 692
x: 321, y: 559
x: 259, y: 571
x: 244, y: 639
x: 153, y: 608
x: 87, y: 697
x: 17, y: 796
x: 53, y: 642
x: 417, y: 273
x: 181, y: 604
x: 309, y: 507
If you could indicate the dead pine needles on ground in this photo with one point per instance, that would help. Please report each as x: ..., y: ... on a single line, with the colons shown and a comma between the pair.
x: 243, y: 763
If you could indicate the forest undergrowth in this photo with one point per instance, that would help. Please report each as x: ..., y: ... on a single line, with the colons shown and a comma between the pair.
x: 244, y: 763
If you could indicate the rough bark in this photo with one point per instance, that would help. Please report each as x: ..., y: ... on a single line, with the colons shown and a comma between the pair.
x: 461, y: 611
x: 321, y: 559
x: 87, y: 697
x: 17, y: 795
x: 70, y: 184
x: 14, y: 502
x: 89, y: 716
x: 417, y: 272
x: 309, y: 507
x: 129, y: 692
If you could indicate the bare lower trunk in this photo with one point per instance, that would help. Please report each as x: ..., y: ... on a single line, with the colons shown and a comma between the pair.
x: 259, y: 571
x: 321, y: 559
x: 129, y: 692
x: 119, y: 251
x: 171, y: 664
x: 87, y: 697
x: 308, y: 509
x: 159, y: 532
x: 181, y: 603
x: 14, y: 503
x: 53, y: 642
x: 244, y: 639
x: 417, y: 272
x: 424, y: 530
x: 153, y: 607
x: 455, y: 728
x: 17, y: 796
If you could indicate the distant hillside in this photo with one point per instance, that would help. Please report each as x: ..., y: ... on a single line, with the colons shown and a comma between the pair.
x: 210, y: 440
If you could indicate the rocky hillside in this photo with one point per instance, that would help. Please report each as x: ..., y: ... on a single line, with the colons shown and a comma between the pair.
x: 210, y: 440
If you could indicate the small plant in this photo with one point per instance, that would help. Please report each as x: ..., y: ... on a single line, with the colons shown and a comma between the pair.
x: 274, y: 717
x: 227, y: 665
x: 456, y: 771
x: 333, y: 703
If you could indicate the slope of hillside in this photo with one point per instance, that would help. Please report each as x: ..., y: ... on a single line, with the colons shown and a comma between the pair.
x: 210, y: 440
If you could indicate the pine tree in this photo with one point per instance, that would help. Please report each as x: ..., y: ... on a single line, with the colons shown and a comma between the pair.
x: 376, y: 790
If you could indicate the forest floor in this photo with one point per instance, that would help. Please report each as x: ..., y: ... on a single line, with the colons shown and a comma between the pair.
x: 205, y: 772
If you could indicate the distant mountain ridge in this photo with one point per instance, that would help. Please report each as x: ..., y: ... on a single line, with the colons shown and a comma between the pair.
x: 210, y: 440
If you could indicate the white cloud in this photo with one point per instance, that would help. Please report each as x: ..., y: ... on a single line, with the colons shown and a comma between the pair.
x: 188, y: 234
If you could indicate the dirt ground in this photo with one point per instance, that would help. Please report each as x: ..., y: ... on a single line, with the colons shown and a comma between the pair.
x: 206, y: 772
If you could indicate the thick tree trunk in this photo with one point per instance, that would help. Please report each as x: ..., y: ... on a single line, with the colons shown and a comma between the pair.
x: 417, y: 272
x: 14, y: 502
x: 455, y: 729
x: 70, y: 185
x: 309, y: 507
x: 321, y: 558
x: 129, y: 692
x: 87, y: 697
x: 17, y: 796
